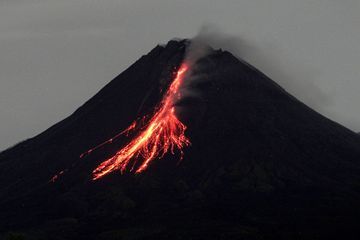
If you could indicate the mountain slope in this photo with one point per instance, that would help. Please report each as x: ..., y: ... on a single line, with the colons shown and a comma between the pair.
x: 261, y: 165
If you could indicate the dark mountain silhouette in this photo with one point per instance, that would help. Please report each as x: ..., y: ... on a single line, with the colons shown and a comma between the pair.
x: 262, y: 165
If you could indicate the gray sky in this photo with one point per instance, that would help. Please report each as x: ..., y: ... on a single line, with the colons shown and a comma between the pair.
x: 54, y: 55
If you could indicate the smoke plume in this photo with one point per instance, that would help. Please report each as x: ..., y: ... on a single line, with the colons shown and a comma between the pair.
x: 296, y: 78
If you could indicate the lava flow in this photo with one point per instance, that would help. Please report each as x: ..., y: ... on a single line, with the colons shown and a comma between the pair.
x: 164, y: 132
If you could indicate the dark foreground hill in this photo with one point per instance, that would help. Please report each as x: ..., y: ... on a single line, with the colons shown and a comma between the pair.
x: 262, y: 165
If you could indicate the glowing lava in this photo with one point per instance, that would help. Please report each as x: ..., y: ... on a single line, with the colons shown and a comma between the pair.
x: 164, y: 132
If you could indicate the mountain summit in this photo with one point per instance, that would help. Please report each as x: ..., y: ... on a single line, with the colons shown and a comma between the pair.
x: 261, y: 165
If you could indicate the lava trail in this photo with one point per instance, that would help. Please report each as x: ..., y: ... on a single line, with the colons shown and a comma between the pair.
x: 163, y: 133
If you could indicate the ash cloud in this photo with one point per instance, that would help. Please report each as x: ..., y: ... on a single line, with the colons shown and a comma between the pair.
x: 295, y: 77
x: 196, y: 50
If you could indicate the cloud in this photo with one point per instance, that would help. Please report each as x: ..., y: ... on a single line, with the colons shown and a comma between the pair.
x: 296, y: 77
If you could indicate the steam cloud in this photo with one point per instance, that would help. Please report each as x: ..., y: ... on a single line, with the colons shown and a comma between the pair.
x: 294, y: 77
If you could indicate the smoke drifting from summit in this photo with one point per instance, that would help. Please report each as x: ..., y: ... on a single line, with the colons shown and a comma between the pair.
x: 55, y: 55
x: 301, y: 84
x: 195, y: 51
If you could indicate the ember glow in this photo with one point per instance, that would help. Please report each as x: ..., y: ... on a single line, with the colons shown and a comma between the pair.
x: 163, y: 133
x: 56, y: 176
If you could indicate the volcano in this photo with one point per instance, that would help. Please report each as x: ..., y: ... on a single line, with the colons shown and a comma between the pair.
x: 261, y: 164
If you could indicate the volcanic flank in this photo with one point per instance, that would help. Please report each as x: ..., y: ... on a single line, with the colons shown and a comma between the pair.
x: 162, y: 134
x: 261, y: 165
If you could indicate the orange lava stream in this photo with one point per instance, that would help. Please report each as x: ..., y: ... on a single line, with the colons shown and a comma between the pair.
x: 163, y: 133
